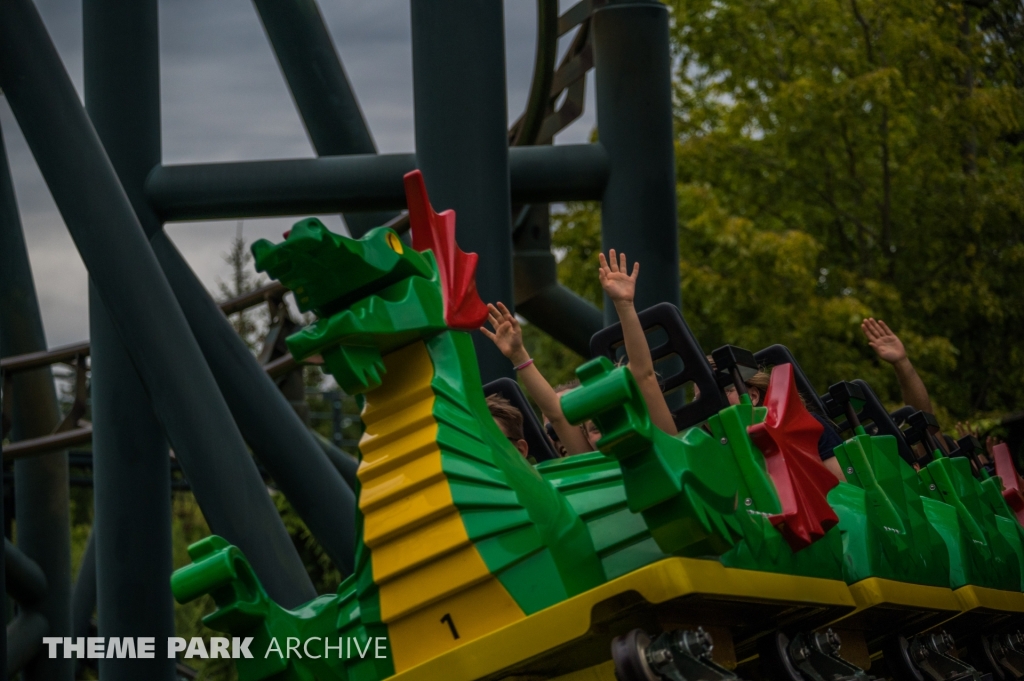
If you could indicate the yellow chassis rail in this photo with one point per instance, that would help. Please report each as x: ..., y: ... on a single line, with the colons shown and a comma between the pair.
x: 570, y: 640
x: 540, y: 636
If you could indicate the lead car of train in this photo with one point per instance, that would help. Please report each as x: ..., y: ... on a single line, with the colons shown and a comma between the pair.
x: 726, y: 551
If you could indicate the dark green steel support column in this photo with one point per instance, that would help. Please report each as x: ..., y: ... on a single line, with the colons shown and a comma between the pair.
x: 83, y: 597
x: 142, y: 306
x: 556, y: 310
x: 634, y: 123
x: 322, y: 92
x: 131, y: 483
x: 127, y: 95
x: 3, y: 574
x: 41, y: 483
x: 458, y: 75
x: 131, y: 461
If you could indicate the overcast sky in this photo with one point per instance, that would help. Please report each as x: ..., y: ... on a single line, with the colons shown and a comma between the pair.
x: 224, y: 99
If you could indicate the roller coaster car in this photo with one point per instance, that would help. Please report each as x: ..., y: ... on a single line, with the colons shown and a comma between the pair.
x: 979, y: 540
x: 473, y: 564
x: 902, y: 592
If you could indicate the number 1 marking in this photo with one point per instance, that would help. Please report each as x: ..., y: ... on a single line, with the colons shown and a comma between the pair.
x: 451, y: 625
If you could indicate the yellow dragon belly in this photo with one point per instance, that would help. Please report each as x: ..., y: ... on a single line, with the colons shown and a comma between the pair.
x: 436, y: 592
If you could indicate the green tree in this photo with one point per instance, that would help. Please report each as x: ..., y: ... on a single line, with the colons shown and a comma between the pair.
x: 249, y: 324
x: 842, y: 159
x: 890, y: 133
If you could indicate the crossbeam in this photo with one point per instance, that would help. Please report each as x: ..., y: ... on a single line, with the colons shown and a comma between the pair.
x: 365, y: 182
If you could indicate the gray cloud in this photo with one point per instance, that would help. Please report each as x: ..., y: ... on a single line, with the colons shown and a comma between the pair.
x: 223, y: 99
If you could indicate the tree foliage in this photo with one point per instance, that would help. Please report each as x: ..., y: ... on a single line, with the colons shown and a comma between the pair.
x: 843, y: 159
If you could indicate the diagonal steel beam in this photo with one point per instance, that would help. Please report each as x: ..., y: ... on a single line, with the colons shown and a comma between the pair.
x: 41, y: 485
x: 142, y: 307
x: 320, y: 88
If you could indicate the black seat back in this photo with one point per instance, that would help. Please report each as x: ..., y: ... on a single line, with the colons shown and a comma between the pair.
x: 541, y: 448
x: 970, y: 447
x: 871, y: 409
x: 901, y: 415
x: 681, y: 344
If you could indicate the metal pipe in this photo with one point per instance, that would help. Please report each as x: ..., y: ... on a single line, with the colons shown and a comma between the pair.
x: 3, y: 569
x: 347, y: 184
x: 35, y: 360
x: 80, y: 436
x: 36, y: 446
x: 331, y: 184
x: 564, y: 316
x: 280, y: 366
x: 461, y: 124
x: 67, y: 353
x: 142, y: 307
x: 24, y: 580
x: 131, y: 462
x: 276, y: 434
x: 24, y: 640
x: 563, y: 172
x: 41, y: 483
x: 253, y: 298
x: 132, y: 509
x: 320, y: 88
x: 556, y: 310
x: 83, y: 596
x: 346, y: 464
x: 634, y: 114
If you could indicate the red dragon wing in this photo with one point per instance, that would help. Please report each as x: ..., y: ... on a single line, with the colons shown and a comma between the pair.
x: 788, y: 437
x: 463, y: 308
x: 1013, y: 486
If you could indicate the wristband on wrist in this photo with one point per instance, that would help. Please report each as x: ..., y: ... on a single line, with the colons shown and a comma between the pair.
x: 524, y: 364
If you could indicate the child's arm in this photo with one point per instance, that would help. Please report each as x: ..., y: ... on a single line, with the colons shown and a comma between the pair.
x: 889, y: 348
x: 621, y: 287
x: 508, y: 336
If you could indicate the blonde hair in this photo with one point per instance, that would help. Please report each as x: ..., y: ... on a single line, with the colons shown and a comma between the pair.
x: 760, y: 380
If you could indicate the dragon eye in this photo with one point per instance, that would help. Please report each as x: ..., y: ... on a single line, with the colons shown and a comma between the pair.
x: 394, y: 242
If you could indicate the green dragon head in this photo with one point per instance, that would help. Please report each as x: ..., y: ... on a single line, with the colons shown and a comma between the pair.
x: 375, y: 294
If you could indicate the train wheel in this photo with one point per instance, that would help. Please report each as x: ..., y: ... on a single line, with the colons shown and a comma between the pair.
x: 775, y: 662
x: 630, y: 655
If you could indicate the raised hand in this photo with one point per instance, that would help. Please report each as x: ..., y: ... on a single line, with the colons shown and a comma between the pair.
x: 964, y: 428
x: 883, y: 341
x: 507, y: 334
x: 615, y: 278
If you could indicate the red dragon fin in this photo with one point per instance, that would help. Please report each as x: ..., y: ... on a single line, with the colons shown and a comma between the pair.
x: 1013, y: 486
x: 788, y: 437
x: 463, y: 309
